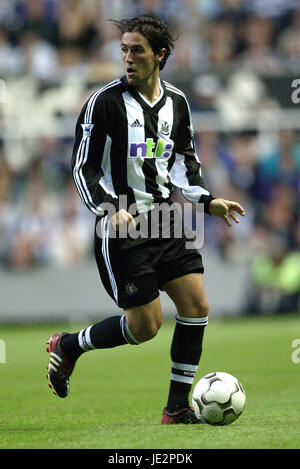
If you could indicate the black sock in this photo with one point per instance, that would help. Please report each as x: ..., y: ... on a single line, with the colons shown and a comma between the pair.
x: 186, y: 351
x: 109, y: 333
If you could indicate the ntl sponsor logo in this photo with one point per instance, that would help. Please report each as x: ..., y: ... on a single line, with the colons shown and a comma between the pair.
x: 150, y: 149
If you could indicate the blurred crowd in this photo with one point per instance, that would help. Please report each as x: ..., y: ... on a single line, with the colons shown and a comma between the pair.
x: 42, y: 219
x: 51, y: 38
x: 264, y: 176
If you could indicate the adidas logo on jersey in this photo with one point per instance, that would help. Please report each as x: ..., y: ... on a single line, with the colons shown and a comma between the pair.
x: 136, y: 123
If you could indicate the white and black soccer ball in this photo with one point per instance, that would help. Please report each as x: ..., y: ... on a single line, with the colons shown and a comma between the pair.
x: 218, y: 398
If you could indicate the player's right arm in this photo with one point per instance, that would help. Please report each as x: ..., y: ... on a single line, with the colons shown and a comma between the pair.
x: 90, y: 155
x: 91, y: 149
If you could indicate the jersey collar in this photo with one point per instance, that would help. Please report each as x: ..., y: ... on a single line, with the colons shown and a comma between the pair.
x: 157, y: 104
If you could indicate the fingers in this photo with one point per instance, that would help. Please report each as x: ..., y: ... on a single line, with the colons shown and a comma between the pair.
x: 236, y: 207
x: 227, y: 220
x: 123, y: 220
x: 231, y: 208
x: 234, y: 217
x: 126, y: 223
x: 131, y: 225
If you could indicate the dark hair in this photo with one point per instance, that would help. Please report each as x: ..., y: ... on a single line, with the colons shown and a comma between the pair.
x: 157, y: 32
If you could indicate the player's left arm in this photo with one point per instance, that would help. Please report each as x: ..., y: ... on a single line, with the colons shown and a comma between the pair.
x: 194, y: 188
x: 186, y: 173
x: 226, y: 209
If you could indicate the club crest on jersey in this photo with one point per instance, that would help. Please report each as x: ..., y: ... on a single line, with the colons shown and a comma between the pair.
x: 87, y: 130
x: 149, y: 149
x: 165, y: 128
x: 130, y: 288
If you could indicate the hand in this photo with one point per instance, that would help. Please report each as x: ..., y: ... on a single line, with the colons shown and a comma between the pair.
x: 122, y: 220
x: 225, y: 209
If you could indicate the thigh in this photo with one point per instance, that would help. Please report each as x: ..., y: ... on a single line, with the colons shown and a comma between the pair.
x: 188, y: 294
x: 124, y: 268
x: 177, y: 261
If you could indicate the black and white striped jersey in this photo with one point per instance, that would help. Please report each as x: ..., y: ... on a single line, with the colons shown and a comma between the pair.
x: 126, y: 146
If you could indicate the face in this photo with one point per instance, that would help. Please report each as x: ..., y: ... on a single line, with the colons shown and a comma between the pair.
x: 140, y: 62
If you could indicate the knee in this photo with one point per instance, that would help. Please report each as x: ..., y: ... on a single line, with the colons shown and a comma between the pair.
x: 148, y: 331
x: 145, y: 321
x: 145, y: 331
x: 204, y: 308
x: 198, y: 309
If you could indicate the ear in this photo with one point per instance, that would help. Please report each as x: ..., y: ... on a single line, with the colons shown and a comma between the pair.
x: 160, y: 55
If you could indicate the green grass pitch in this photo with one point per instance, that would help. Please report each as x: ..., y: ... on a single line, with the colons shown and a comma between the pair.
x: 117, y: 395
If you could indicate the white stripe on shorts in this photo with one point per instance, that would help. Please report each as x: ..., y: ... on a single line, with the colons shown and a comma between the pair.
x: 105, y: 253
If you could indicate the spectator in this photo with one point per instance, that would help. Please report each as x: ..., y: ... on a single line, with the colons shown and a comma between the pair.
x: 216, y: 158
x: 280, y: 165
x: 221, y: 41
x: 70, y: 234
x: 6, y: 208
x: 77, y: 26
x: 275, y: 279
x: 243, y: 150
x: 10, y: 56
x: 259, y: 54
x: 205, y: 90
x: 39, y: 58
x: 282, y: 220
x: 37, y: 20
x: 29, y: 244
x: 289, y: 43
x: 270, y: 8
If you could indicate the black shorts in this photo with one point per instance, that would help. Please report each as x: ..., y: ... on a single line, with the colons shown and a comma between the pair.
x: 134, y: 270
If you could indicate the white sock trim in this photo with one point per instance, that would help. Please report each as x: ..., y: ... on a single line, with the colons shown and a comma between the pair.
x: 84, y: 339
x: 80, y: 341
x: 184, y: 367
x: 192, y: 321
x: 182, y: 379
x: 127, y: 334
x: 88, y: 338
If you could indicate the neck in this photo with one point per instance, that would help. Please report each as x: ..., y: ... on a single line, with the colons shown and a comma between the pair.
x: 150, y: 89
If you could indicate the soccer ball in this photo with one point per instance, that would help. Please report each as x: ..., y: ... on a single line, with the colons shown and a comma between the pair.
x: 218, y: 398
